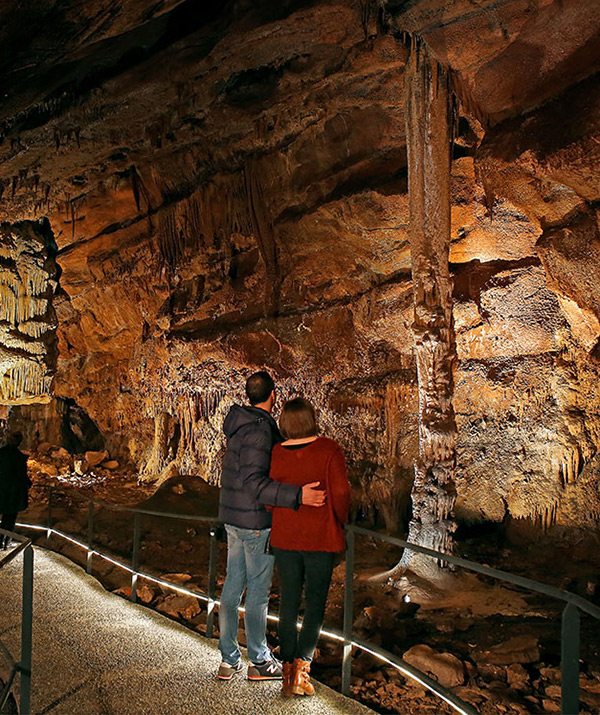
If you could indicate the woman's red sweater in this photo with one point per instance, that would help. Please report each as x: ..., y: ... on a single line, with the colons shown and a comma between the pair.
x: 312, y: 528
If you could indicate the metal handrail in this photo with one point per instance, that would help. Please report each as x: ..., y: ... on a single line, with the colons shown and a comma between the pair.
x: 570, y: 631
x: 22, y: 667
x: 522, y: 581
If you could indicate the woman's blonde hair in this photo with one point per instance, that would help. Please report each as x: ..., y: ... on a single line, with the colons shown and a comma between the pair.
x: 297, y: 419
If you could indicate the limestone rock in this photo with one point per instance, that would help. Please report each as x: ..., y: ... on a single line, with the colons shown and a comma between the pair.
x: 179, y: 606
x: 592, y: 700
x: 592, y: 685
x: 81, y: 465
x: 49, y: 469
x: 178, y: 578
x: 446, y: 668
x: 96, y: 458
x: 145, y: 594
x: 61, y: 454
x: 517, y: 677
x: 111, y: 464
x: 520, y: 649
x: 550, y: 706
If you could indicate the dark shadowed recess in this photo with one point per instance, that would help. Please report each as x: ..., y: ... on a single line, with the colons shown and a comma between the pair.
x: 56, y: 85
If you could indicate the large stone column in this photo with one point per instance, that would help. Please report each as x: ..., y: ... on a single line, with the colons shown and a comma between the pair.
x: 428, y: 128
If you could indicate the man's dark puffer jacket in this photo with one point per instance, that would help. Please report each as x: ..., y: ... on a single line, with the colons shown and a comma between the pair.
x: 245, y: 483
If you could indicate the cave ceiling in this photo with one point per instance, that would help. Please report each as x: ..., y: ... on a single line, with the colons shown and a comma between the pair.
x: 226, y: 187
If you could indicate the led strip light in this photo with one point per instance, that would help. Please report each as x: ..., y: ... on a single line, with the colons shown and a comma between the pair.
x: 414, y: 674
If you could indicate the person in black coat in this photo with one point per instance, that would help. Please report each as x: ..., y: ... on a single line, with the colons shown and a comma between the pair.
x: 14, y: 485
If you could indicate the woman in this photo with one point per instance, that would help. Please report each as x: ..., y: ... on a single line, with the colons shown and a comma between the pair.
x: 305, y: 541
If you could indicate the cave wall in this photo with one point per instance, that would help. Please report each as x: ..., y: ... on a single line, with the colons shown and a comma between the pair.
x: 228, y: 191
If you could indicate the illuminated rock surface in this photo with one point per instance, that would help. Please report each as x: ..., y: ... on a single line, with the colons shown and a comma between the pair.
x: 28, y: 280
x: 228, y: 190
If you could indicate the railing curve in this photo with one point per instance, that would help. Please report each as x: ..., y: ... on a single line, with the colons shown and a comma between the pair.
x: 570, y: 632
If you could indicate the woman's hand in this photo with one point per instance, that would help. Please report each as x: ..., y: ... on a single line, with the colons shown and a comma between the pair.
x: 312, y: 496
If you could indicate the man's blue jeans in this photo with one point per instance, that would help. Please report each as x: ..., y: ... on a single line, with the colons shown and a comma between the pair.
x: 250, y: 568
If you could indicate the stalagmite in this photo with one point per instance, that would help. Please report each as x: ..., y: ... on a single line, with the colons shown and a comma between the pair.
x: 428, y: 124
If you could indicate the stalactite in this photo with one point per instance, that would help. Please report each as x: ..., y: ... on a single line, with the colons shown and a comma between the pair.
x: 264, y: 231
x: 157, y: 461
x: 218, y: 208
x: 27, y: 318
x: 392, y: 405
x: 428, y: 124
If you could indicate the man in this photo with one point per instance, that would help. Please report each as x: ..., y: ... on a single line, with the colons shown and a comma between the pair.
x: 245, y: 489
x: 14, y: 485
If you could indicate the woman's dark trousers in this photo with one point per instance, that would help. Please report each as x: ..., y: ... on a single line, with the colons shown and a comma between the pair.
x: 297, y: 569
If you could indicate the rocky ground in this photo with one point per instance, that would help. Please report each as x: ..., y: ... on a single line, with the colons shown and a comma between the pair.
x: 496, y: 646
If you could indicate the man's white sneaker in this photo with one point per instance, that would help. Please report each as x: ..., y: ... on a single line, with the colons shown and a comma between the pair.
x: 226, y: 671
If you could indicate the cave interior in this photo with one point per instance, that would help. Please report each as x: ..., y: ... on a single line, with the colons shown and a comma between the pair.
x: 393, y: 206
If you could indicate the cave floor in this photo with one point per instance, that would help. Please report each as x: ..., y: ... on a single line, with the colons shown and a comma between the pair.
x: 467, y: 620
x: 95, y: 653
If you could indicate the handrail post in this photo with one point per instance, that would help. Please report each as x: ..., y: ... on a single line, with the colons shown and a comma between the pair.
x: 26, y: 630
x: 135, y: 557
x: 212, y: 582
x: 90, y: 537
x: 348, y: 613
x: 49, y: 518
x: 570, y: 660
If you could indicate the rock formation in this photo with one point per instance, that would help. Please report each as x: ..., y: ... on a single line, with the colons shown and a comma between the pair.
x: 429, y: 142
x: 227, y: 189
x: 28, y: 281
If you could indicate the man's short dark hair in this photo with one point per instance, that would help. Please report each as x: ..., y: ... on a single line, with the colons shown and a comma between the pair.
x: 15, y: 439
x: 258, y: 387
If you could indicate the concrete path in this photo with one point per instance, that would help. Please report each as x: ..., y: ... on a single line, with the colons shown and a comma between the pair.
x: 96, y: 654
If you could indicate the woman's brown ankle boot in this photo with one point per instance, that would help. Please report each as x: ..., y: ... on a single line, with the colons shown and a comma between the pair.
x: 301, y: 684
x: 288, y: 680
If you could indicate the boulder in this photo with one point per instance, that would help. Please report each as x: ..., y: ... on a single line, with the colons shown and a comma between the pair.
x: 144, y: 593
x: 179, y: 606
x: 49, y: 469
x: 553, y: 691
x: 44, y: 447
x: 446, y: 668
x: 95, y: 458
x: 111, y: 464
x: 592, y: 685
x: 61, y: 454
x: 520, y: 649
x: 81, y: 466
x: 517, y: 677
x: 178, y: 578
x: 550, y: 706
x: 592, y: 700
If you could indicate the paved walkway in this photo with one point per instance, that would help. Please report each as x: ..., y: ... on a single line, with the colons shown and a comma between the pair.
x: 96, y: 654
